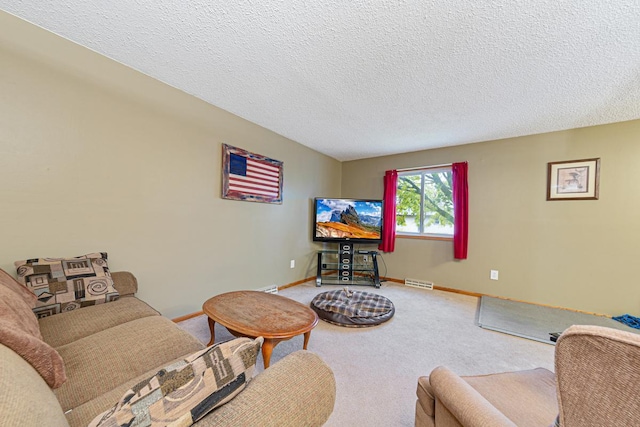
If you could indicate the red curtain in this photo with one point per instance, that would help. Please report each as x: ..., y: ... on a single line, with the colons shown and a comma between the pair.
x: 389, y: 212
x: 460, y: 210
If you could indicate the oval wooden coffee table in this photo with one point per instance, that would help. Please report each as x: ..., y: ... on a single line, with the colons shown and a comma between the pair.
x: 260, y: 314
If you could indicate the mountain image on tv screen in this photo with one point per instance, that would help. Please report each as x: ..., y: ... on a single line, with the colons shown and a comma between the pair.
x: 348, y: 219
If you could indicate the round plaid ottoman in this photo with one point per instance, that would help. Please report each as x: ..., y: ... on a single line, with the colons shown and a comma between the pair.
x: 353, y: 309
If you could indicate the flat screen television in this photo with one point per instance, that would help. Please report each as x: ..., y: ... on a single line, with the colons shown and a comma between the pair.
x: 352, y: 220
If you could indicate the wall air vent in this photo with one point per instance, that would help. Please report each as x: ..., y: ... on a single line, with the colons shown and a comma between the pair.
x: 422, y: 284
x: 273, y: 289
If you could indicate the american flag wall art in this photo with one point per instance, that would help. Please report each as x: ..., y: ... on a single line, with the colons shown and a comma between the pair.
x: 250, y: 177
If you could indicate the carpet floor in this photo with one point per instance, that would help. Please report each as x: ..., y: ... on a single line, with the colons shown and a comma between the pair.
x: 377, y: 368
x: 535, y: 321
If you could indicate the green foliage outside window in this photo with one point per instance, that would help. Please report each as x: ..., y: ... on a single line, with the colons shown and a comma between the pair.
x: 431, y: 190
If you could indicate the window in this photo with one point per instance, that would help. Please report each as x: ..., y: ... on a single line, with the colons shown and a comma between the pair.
x: 424, y: 203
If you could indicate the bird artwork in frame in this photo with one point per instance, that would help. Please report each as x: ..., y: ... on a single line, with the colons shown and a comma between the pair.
x: 250, y: 177
x: 573, y: 180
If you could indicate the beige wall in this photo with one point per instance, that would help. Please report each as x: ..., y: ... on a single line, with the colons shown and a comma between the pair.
x: 577, y: 254
x: 97, y: 157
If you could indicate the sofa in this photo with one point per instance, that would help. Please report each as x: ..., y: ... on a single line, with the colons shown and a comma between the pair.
x: 596, y: 383
x: 108, y: 348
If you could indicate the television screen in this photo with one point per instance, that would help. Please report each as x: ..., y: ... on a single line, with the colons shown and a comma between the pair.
x: 354, y: 220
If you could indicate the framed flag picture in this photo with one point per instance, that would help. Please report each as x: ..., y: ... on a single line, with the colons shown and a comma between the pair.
x: 250, y: 177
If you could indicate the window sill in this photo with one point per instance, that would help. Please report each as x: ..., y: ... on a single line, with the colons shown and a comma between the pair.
x: 409, y: 236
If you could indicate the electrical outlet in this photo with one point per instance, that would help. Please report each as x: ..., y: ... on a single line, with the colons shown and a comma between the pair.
x: 293, y: 263
x: 365, y: 258
x: 494, y: 275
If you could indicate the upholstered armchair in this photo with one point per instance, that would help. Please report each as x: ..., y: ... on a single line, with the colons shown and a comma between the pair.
x: 597, y: 383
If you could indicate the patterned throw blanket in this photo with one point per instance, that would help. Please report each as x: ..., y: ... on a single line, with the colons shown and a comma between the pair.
x: 353, y: 303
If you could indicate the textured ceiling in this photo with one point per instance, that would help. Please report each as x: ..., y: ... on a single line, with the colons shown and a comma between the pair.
x: 356, y: 79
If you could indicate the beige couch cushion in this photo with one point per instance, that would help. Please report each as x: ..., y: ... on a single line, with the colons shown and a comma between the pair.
x: 100, y: 362
x: 185, y: 391
x: 82, y: 415
x: 65, y: 284
x: 528, y: 398
x: 71, y: 326
x: 305, y: 381
x: 465, y: 404
x: 522, y: 398
x: 19, y: 331
x: 302, y: 374
x: 25, y: 399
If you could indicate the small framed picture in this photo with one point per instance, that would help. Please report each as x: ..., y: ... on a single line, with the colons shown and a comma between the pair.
x: 573, y: 180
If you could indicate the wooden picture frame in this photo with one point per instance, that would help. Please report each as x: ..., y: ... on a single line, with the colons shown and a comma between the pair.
x: 573, y: 180
x: 250, y: 177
